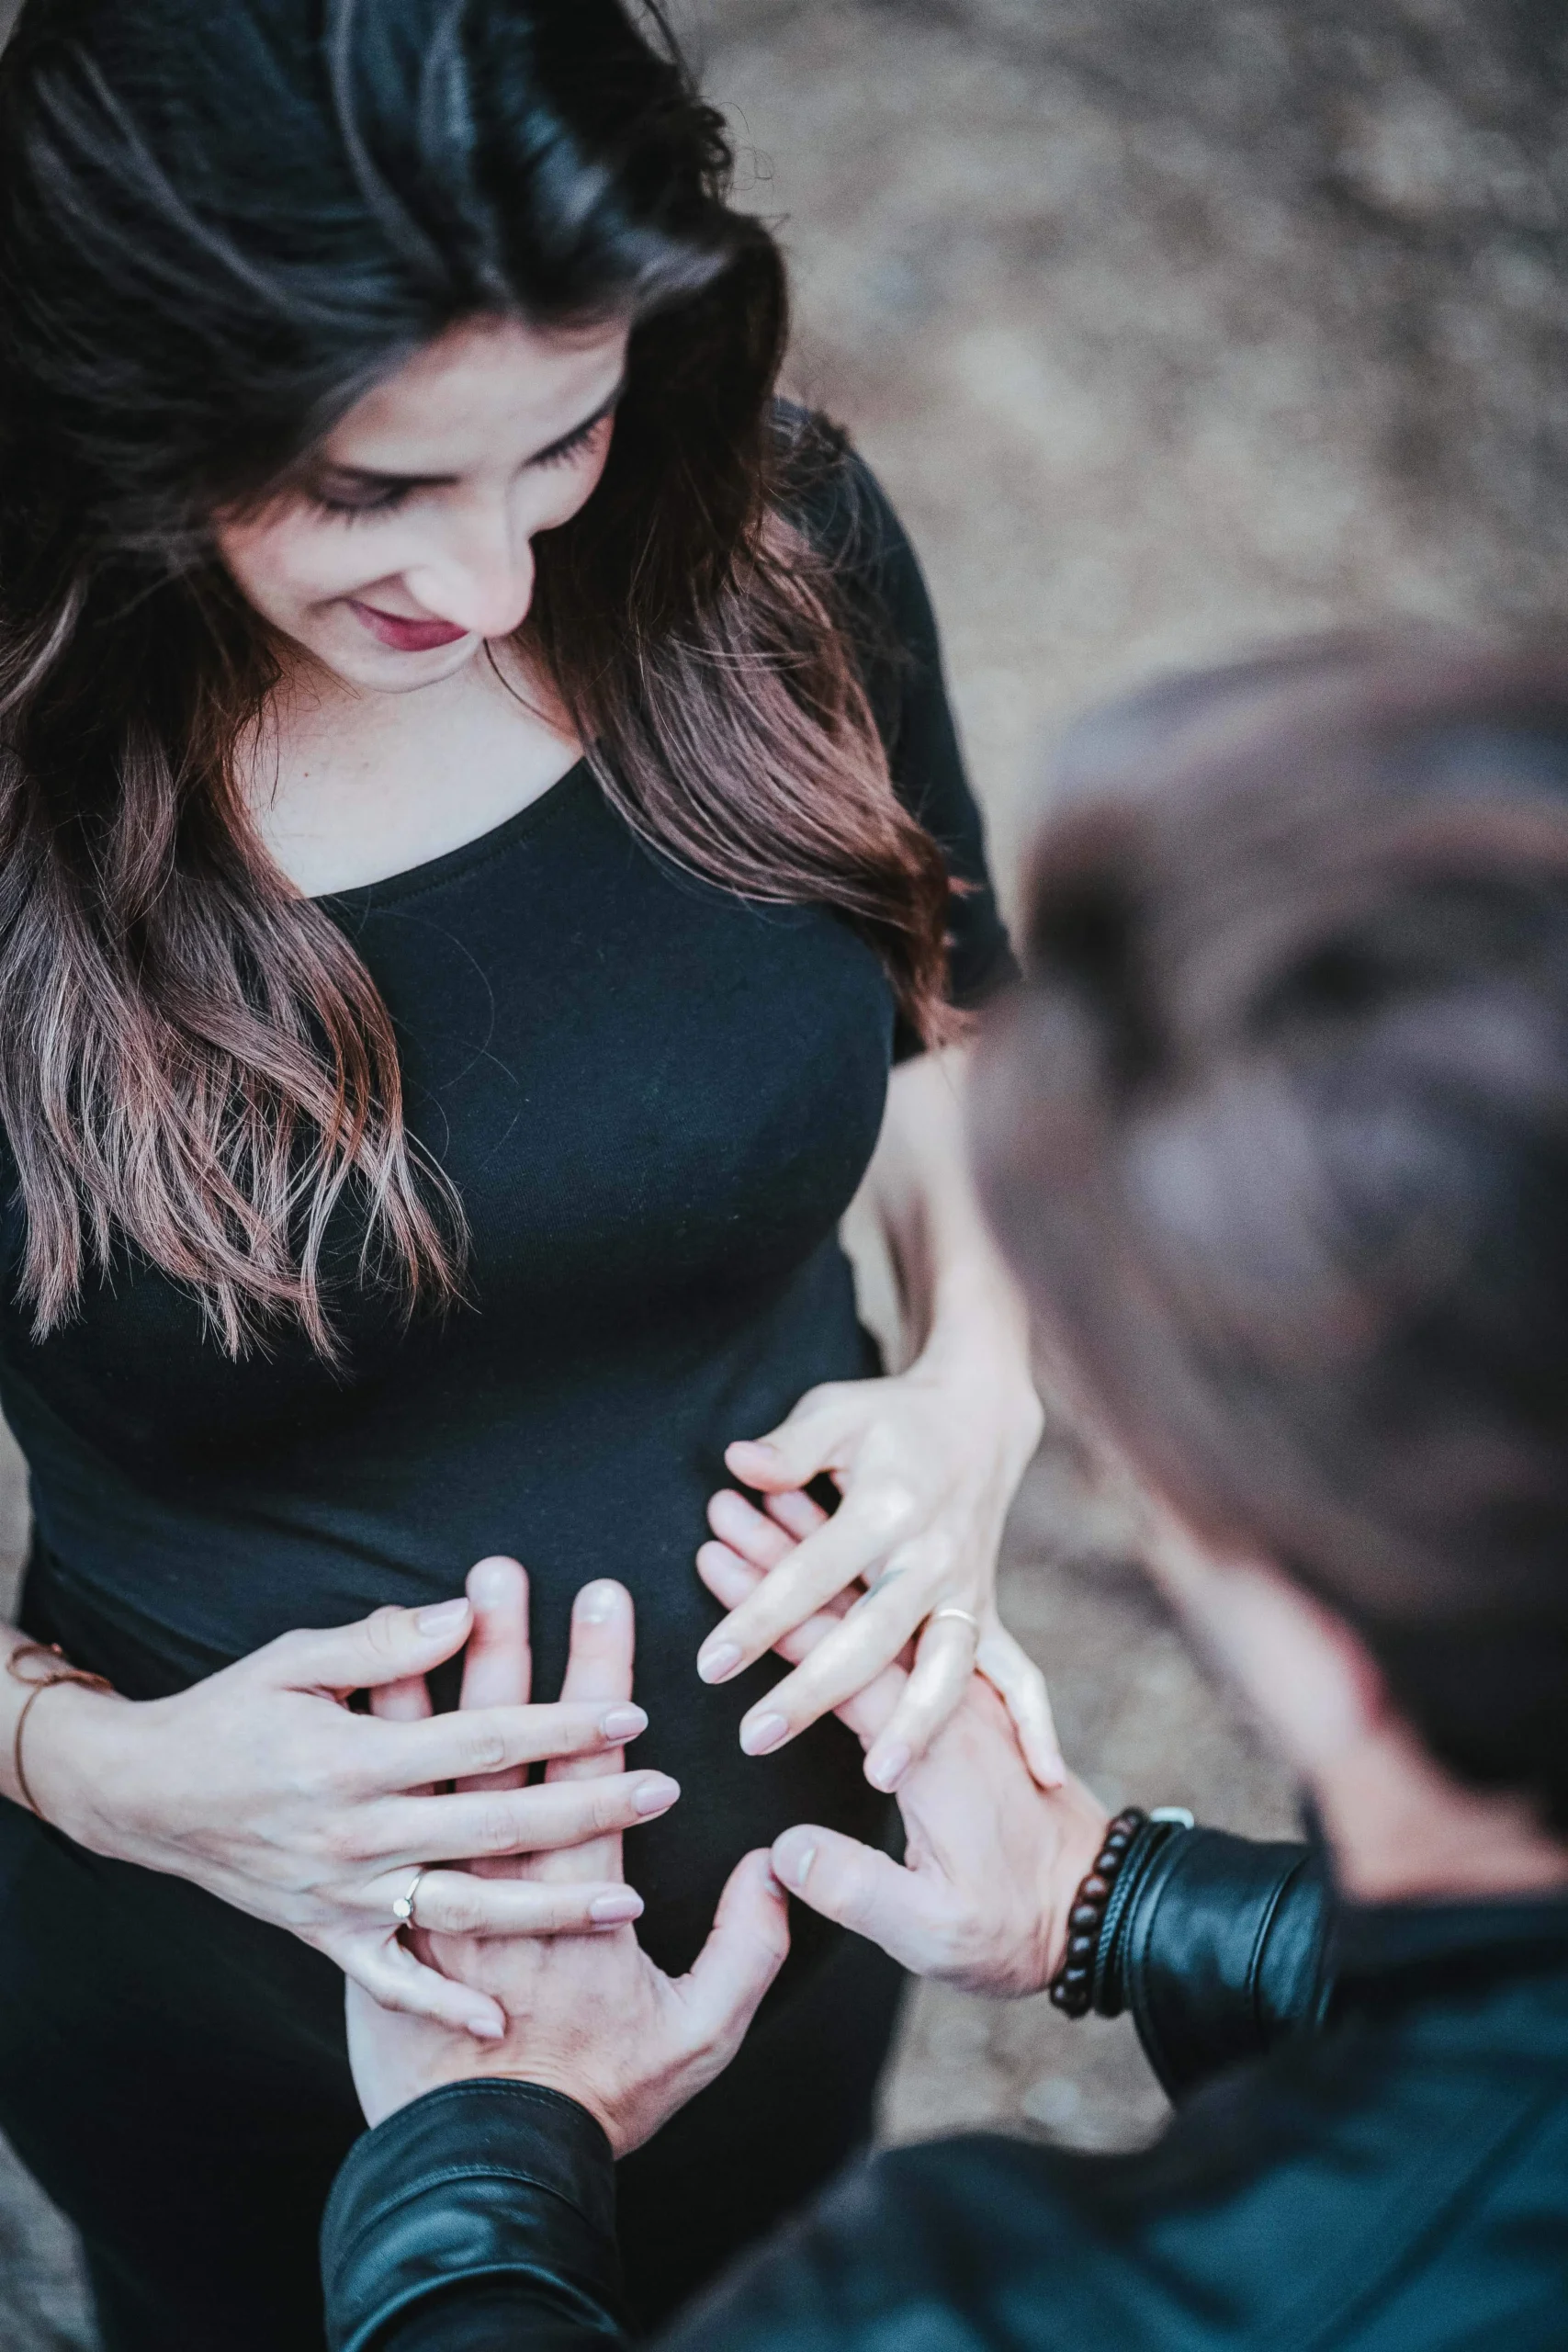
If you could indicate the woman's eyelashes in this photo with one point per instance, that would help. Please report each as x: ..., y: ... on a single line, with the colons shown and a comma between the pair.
x: 576, y: 445
x: 351, y: 502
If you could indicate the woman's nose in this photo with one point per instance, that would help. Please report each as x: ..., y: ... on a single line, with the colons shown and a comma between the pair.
x: 480, y: 577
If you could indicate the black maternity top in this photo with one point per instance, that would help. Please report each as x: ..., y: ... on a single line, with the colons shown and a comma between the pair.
x: 655, y: 1102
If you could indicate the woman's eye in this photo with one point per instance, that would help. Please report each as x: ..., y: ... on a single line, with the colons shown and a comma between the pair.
x: 566, y: 453
x: 349, y: 505
x: 347, y: 500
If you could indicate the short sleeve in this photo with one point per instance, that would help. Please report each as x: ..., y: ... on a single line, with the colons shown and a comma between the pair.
x: 890, y: 604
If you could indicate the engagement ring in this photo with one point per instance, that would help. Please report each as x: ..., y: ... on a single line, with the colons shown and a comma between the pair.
x: 402, y: 1909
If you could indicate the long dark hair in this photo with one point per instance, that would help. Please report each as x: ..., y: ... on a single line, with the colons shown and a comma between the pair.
x: 218, y: 227
x: 1278, y: 1133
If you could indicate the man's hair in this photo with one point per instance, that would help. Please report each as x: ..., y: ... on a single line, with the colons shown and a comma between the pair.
x: 1277, y: 1133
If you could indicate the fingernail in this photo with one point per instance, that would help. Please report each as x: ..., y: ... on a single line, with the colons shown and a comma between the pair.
x: 657, y: 1796
x: 486, y: 2030
x: 614, y: 1910
x: 795, y: 1869
x: 623, y: 1722
x: 492, y: 1579
x: 595, y: 1603
x: 766, y: 1733
x: 754, y: 1445
x: 716, y: 1664
x: 444, y: 1618
x: 889, y: 1770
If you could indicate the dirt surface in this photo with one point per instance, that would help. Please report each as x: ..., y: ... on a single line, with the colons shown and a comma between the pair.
x: 1171, y: 325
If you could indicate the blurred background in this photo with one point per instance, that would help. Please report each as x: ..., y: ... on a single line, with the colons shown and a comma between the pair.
x: 1171, y: 326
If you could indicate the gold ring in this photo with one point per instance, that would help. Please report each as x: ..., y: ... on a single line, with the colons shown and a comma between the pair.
x: 964, y: 1615
x: 402, y: 1909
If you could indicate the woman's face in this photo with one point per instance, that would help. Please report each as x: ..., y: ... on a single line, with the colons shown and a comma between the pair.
x: 410, y: 539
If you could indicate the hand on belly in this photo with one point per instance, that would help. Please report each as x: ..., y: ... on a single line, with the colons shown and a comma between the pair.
x: 264, y: 1785
x: 927, y: 1464
x: 588, y: 2014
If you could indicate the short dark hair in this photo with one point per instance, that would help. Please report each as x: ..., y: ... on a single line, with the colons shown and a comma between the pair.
x: 1277, y: 1134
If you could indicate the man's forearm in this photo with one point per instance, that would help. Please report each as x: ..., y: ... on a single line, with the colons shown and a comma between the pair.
x: 479, y: 2218
x: 482, y: 2218
x: 1215, y: 1944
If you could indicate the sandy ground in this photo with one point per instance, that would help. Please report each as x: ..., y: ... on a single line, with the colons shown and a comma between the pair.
x: 1170, y: 328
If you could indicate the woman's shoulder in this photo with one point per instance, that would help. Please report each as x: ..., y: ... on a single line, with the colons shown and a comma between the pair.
x: 877, y: 588
x: 829, y: 490
x: 879, y: 591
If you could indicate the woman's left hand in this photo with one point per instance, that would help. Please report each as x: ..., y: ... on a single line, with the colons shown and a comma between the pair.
x: 991, y: 1862
x: 927, y: 1463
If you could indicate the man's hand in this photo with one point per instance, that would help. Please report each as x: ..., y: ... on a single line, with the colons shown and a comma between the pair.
x: 588, y: 2014
x: 993, y: 1861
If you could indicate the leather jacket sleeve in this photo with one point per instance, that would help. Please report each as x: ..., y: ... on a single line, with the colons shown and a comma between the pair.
x: 1217, y: 1946
x: 477, y: 2219
x: 481, y: 2219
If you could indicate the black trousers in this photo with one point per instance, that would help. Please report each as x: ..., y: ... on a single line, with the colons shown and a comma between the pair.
x: 174, y: 2075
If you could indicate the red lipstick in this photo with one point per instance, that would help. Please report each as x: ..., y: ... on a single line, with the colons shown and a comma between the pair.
x: 406, y: 636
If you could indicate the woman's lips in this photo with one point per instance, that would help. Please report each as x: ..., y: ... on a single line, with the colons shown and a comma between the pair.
x: 405, y: 636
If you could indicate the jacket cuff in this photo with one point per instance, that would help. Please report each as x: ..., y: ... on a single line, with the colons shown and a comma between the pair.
x: 489, y: 2180
x: 1215, y: 1944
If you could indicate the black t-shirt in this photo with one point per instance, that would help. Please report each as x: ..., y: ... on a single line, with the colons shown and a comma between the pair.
x: 655, y: 1100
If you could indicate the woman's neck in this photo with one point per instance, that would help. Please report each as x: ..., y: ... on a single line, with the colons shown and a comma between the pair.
x: 347, y: 787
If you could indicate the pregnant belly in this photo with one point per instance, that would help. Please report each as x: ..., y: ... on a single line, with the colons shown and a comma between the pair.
x: 729, y: 1804
x: 156, y: 1580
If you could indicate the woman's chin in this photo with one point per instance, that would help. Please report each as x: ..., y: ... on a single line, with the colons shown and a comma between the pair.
x: 369, y: 668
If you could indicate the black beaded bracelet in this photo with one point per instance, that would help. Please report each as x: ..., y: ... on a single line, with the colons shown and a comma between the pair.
x: 1072, y: 1988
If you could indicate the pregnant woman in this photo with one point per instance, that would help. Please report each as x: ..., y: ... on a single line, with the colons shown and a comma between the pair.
x: 478, y: 823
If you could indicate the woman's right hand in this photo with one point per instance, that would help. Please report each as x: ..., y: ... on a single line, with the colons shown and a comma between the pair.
x: 262, y: 1785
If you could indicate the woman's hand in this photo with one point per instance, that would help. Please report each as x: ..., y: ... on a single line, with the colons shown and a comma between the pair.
x: 589, y: 2016
x: 263, y: 1786
x: 992, y: 1861
x: 927, y: 1464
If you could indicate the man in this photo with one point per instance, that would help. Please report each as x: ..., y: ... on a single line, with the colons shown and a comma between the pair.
x: 1277, y: 1138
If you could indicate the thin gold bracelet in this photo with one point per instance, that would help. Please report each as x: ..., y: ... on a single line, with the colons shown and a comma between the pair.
x: 62, y: 1671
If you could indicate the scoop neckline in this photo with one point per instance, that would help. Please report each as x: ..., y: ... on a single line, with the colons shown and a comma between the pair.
x: 433, y: 871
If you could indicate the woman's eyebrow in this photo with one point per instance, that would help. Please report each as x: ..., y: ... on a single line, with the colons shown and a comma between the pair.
x: 374, y: 478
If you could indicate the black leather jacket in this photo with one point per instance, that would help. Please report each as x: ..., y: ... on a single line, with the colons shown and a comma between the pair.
x: 1371, y: 2150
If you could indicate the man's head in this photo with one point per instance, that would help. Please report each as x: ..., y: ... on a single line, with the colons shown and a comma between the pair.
x: 1277, y: 1136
